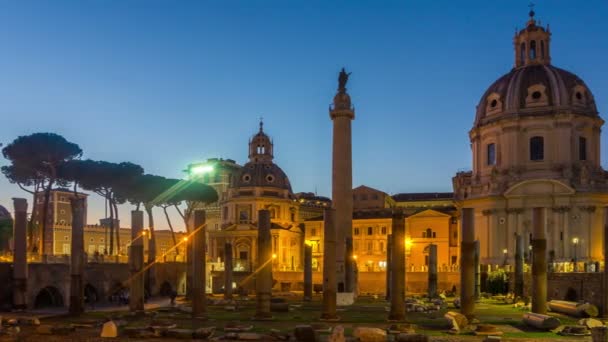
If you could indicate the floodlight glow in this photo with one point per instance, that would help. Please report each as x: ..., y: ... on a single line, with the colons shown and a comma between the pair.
x: 575, y: 240
x: 201, y: 169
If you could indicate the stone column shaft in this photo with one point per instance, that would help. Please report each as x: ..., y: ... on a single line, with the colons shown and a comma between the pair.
x: 136, y: 262
x: 348, y: 265
x: 519, y: 266
x: 329, y: 266
x: 199, y: 284
x: 477, y: 269
x: 389, y: 264
x: 397, y: 310
x: 228, y: 271
x: 307, y: 273
x: 342, y: 182
x: 432, y: 271
x: 539, y: 262
x: 263, y: 280
x: 20, y: 254
x: 78, y: 261
x: 467, y: 263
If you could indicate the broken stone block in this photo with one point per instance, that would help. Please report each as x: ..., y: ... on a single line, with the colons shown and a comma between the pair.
x: 109, y: 329
x: 179, y: 333
x: 204, y: 333
x: 487, y: 330
x: 412, y: 338
x: 304, y: 333
x: 337, y: 335
x: 591, y: 322
x: 366, y: 334
x: 457, y: 320
x: 574, y: 330
x: 402, y: 328
x: 233, y: 327
x: 248, y: 336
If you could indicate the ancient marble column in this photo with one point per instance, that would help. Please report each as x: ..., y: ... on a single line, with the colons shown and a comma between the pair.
x: 397, y: 309
x: 263, y: 279
x: 199, y: 283
x: 228, y: 271
x: 136, y: 262
x: 605, y: 278
x: 342, y: 114
x: 348, y: 265
x: 477, y: 270
x: 20, y: 254
x: 307, y: 273
x: 539, y: 262
x: 77, y: 257
x: 519, y: 266
x: 389, y: 264
x: 467, y: 263
x: 432, y: 271
x: 329, y: 266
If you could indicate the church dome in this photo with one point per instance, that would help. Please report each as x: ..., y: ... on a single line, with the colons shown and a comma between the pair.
x: 534, y: 87
x: 261, y: 171
x: 268, y: 175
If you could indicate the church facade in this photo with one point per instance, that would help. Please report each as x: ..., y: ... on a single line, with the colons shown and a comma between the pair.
x: 536, y: 143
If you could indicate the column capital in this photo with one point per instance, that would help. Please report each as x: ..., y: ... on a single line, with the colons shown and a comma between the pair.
x: 514, y: 210
x: 560, y: 209
x: 488, y: 212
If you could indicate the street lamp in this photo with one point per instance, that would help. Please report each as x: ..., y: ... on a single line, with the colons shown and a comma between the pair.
x: 575, y: 243
x: 504, y: 252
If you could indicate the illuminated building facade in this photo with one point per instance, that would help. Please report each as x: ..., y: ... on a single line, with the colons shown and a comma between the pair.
x: 536, y: 143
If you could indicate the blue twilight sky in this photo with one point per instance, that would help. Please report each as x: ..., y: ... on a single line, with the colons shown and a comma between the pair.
x: 165, y: 83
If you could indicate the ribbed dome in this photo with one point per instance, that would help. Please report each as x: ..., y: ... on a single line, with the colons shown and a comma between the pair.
x: 532, y: 90
x: 261, y: 175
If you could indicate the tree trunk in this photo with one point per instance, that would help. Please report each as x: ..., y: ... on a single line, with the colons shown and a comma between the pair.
x: 172, y: 231
x: 183, y: 217
x: 117, y: 228
x: 31, y: 227
x: 111, y: 224
x: 45, y: 213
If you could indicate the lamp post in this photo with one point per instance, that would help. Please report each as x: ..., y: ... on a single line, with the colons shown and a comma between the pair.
x: 506, y: 257
x: 575, y: 243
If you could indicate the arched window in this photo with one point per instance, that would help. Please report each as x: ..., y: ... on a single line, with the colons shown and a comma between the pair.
x: 429, y: 233
x: 537, y: 148
x: 582, y: 148
x: 542, y: 49
x: 491, y: 156
x: 533, y: 49
x: 522, y: 52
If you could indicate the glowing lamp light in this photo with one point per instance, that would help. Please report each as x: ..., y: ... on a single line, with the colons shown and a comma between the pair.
x: 355, y: 257
x: 201, y: 169
x: 575, y: 240
x: 408, y: 242
x: 504, y: 251
x: 185, y: 238
x: 274, y: 256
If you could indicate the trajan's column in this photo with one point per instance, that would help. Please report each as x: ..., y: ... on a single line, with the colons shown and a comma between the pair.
x: 341, y: 114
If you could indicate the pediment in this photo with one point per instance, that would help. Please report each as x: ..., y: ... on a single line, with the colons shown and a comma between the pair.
x: 539, y: 187
x: 429, y: 213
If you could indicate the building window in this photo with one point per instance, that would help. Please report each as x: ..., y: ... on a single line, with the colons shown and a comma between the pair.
x: 370, y: 231
x: 537, y: 148
x: 454, y: 259
x: 491, y: 157
x: 243, y: 255
x: 364, y: 197
x: 582, y: 148
x: 383, y: 230
x: 244, y: 216
x: 313, y: 232
x: 533, y: 49
x: 381, y: 246
x: 356, y: 231
x: 370, y: 247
